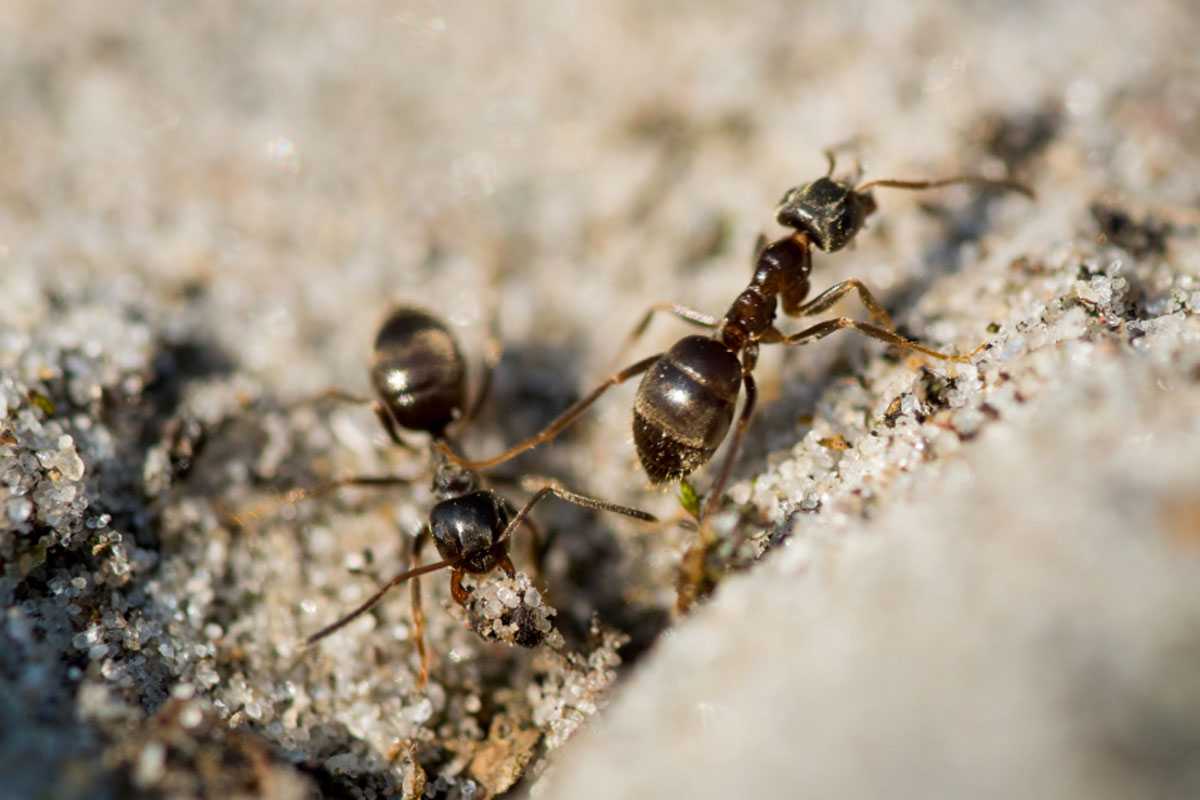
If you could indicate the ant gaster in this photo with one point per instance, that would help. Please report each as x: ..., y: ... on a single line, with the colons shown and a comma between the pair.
x: 685, y: 402
x: 419, y: 377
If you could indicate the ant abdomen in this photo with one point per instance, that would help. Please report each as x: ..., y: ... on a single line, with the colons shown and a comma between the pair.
x: 418, y: 371
x: 467, y: 529
x: 684, y: 406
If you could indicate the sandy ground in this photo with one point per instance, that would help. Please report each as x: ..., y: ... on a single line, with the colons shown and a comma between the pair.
x: 938, y: 580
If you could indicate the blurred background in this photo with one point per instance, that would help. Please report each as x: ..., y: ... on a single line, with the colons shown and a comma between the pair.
x: 225, y: 198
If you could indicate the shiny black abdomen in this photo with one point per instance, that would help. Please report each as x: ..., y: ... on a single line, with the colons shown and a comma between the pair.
x: 468, y: 527
x: 418, y: 371
x: 684, y: 406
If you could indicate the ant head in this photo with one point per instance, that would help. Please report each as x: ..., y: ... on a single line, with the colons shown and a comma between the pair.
x: 831, y: 213
x: 466, y: 529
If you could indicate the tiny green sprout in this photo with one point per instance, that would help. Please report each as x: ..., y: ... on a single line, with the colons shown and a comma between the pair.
x: 42, y: 402
x: 689, y: 498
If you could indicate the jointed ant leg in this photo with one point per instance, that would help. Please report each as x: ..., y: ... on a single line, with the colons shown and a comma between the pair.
x: 389, y: 425
x: 329, y: 396
x: 296, y: 495
x: 375, y: 598
x: 418, y: 611
x: 760, y: 244
x: 537, y: 551
x: 563, y: 493
x: 690, y: 315
x: 823, y: 329
x: 739, y: 433
x: 457, y: 590
x: 694, y: 579
x: 339, y: 396
x: 556, y: 427
x: 826, y: 299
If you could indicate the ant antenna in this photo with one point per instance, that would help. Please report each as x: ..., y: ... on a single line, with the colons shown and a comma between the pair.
x: 998, y: 183
x: 374, y: 599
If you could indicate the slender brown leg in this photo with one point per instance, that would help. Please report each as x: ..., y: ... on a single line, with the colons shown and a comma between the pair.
x: 795, y: 290
x: 292, y: 496
x: 825, y: 300
x: 690, y: 315
x: 370, y: 602
x: 505, y: 563
x: 339, y: 396
x: 823, y: 329
x: 556, y: 427
x: 563, y: 493
x: 537, y: 551
x: 694, y: 579
x: 389, y: 425
x: 329, y: 396
x: 418, y: 610
x: 760, y: 244
x: 457, y: 590
x: 739, y: 433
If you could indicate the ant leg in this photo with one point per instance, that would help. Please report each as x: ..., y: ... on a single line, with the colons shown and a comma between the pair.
x: 329, y: 396
x: 826, y: 299
x: 823, y: 329
x: 760, y: 244
x: 418, y: 610
x: 556, y: 427
x: 349, y: 398
x: 375, y: 598
x: 292, y: 496
x: 539, y: 545
x: 563, y: 493
x: 739, y: 433
x: 694, y: 578
x: 537, y: 550
x: 689, y: 315
x: 457, y: 590
x: 389, y: 425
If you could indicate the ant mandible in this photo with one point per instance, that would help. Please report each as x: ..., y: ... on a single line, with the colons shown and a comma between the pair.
x: 684, y: 405
x: 419, y: 377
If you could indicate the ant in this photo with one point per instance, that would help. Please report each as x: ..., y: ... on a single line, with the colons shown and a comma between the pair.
x: 418, y: 374
x: 684, y: 405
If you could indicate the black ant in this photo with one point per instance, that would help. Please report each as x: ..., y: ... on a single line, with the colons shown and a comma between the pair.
x: 419, y: 377
x: 685, y: 403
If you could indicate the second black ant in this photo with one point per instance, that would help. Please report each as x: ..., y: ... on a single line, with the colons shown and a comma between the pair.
x: 419, y: 377
x: 685, y: 403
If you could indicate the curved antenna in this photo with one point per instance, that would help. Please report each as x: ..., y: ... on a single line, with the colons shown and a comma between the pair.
x: 831, y: 160
x: 997, y: 183
x: 375, y: 598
